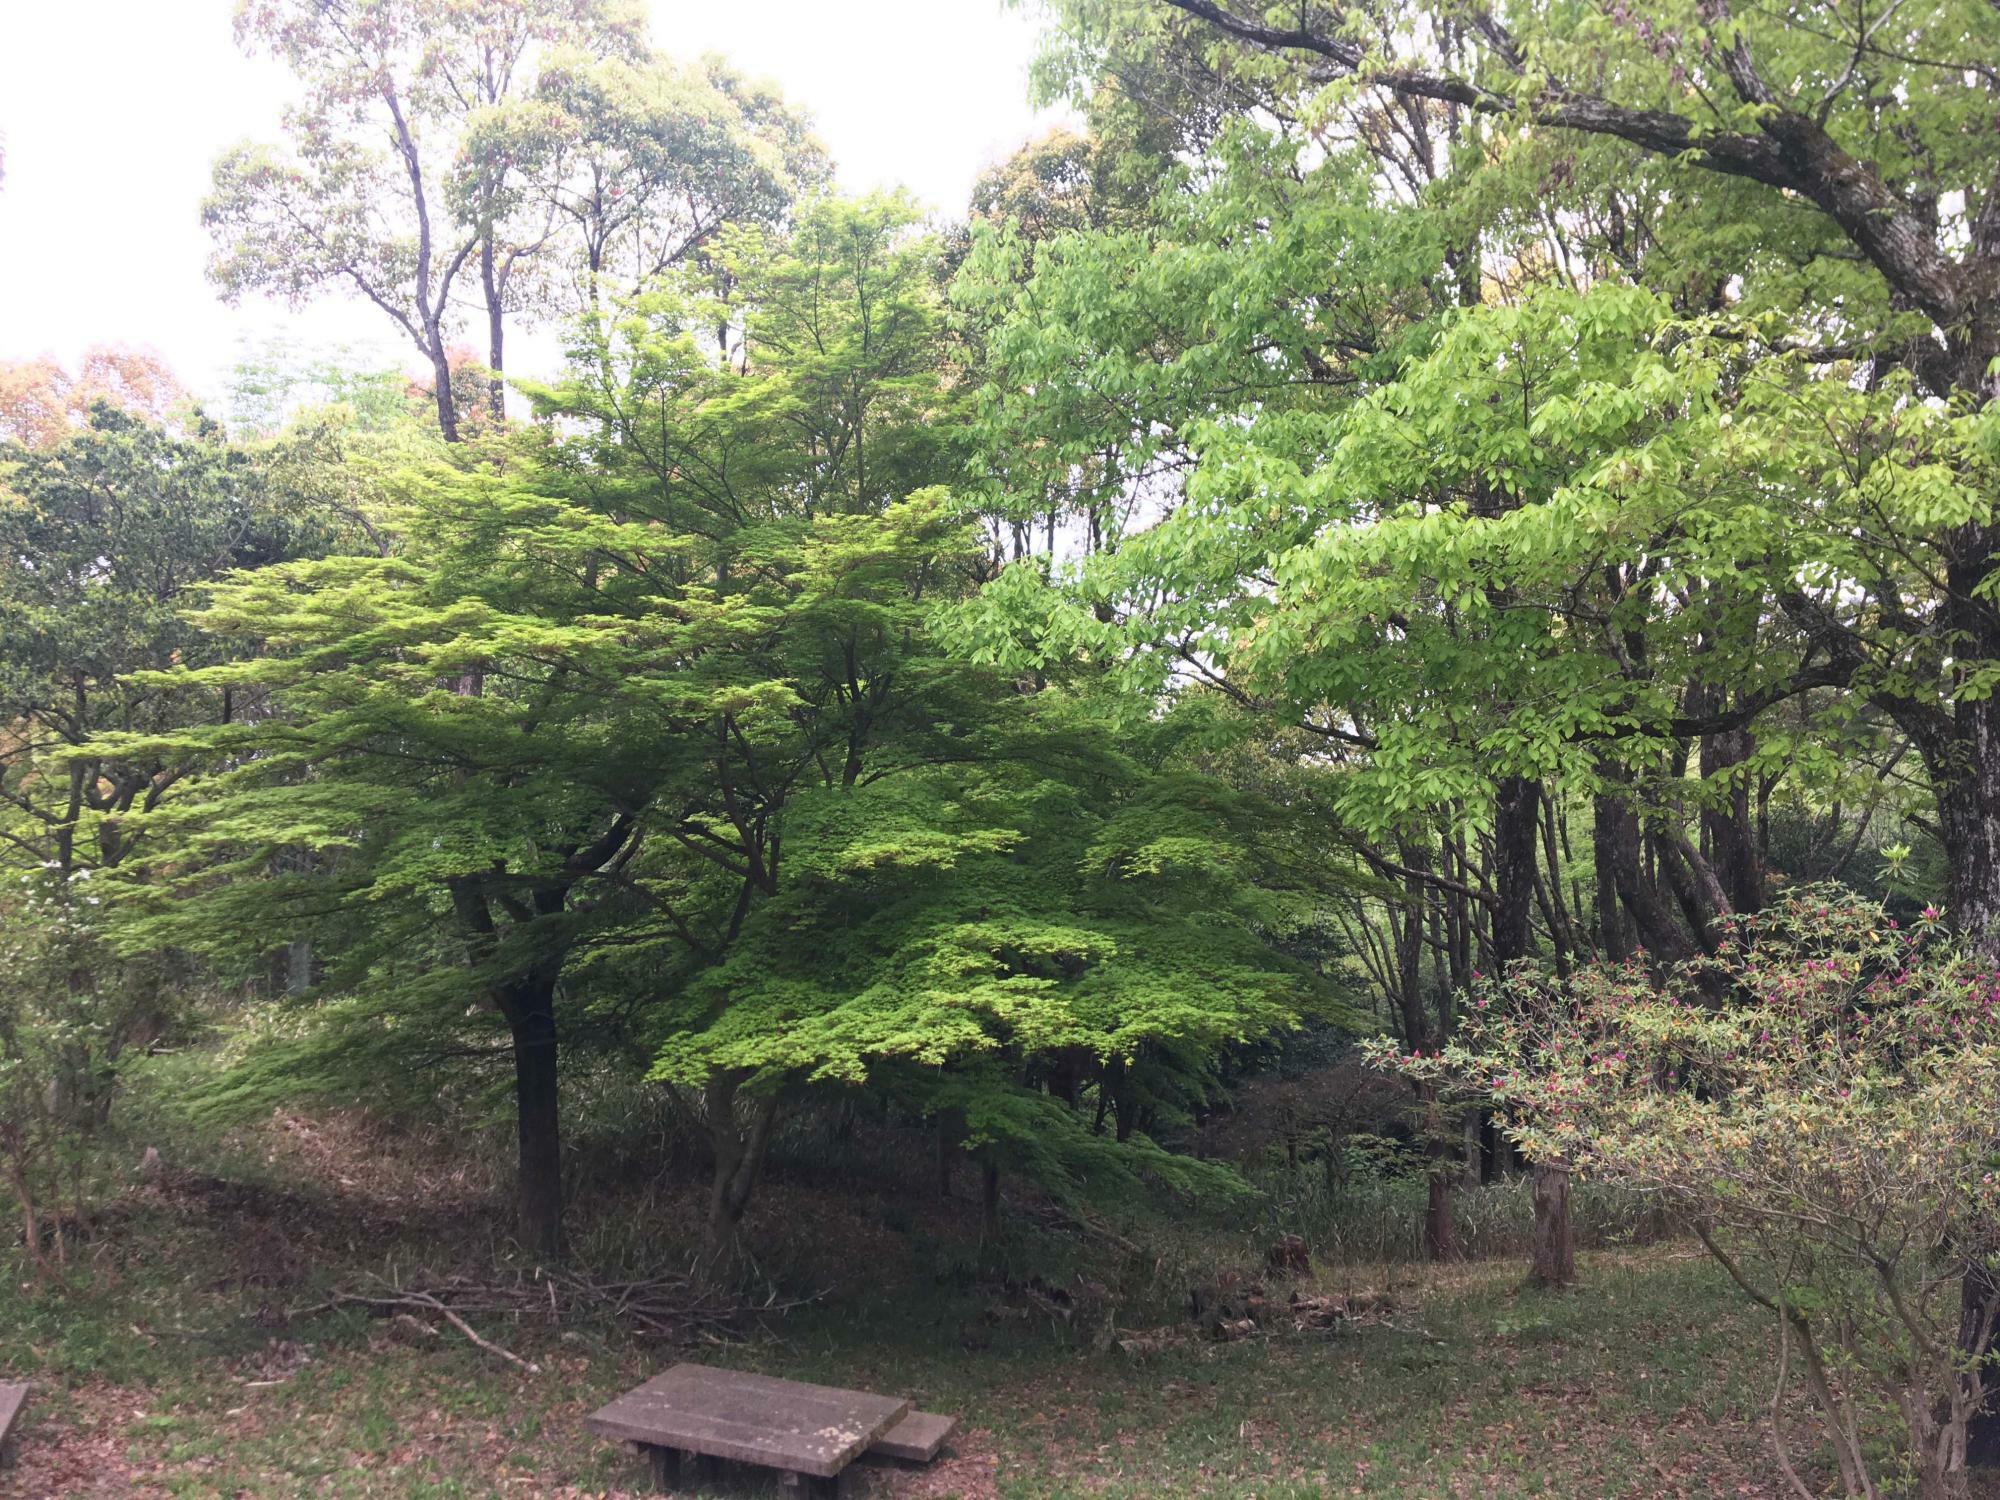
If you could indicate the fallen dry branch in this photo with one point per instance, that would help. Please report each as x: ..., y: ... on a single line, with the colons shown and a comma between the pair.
x: 466, y: 1328
x: 670, y: 1307
x: 400, y: 1305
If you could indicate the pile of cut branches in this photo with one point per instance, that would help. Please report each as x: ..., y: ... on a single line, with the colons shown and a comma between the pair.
x: 670, y: 1308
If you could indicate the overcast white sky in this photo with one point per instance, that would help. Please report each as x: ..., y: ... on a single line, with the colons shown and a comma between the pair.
x: 113, y: 109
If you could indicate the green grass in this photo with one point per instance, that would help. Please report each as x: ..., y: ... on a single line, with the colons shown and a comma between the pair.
x: 1477, y: 1388
x: 1649, y: 1370
x: 167, y: 1370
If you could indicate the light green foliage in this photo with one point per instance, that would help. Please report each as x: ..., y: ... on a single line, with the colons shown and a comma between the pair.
x: 1551, y: 533
x: 1695, y: 424
x: 106, y: 540
x: 638, y: 161
x: 1043, y: 900
x: 640, y: 731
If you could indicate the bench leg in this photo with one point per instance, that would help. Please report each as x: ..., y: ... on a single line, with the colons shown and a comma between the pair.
x: 809, y: 1487
x: 666, y: 1467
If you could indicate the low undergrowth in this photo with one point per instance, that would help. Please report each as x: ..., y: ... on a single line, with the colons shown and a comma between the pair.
x: 168, y: 1365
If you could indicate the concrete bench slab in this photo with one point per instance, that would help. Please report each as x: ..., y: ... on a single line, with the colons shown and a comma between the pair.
x: 916, y: 1439
x: 811, y: 1431
x: 13, y: 1396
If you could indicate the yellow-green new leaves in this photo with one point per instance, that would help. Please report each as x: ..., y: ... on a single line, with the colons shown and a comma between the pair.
x: 939, y: 918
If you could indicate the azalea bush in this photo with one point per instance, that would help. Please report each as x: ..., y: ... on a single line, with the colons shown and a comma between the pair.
x: 1819, y: 1099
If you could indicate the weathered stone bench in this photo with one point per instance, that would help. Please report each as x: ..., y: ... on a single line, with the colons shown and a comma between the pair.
x: 808, y: 1433
x: 917, y: 1439
x: 12, y: 1398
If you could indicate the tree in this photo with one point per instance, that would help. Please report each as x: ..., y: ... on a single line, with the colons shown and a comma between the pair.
x: 1827, y: 1130
x: 1836, y: 156
x: 462, y: 733
x: 363, y: 200
x: 1171, y: 392
x: 863, y: 792
x: 108, y: 539
x: 472, y: 732
x: 41, y: 403
x: 644, y: 734
x: 985, y: 922
x: 626, y: 168
x: 797, y: 481
x: 107, y: 534
x: 1288, y: 338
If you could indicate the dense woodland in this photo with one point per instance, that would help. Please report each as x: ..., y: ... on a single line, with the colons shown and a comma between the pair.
x: 1410, y: 606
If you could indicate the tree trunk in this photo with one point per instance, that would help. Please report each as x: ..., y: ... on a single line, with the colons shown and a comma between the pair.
x: 1976, y: 1299
x: 1124, y: 1108
x: 535, y: 1102
x: 1554, y: 1263
x: 1440, y: 1232
x: 496, y: 332
x: 1614, y: 940
x: 1618, y: 849
x: 298, y: 965
x: 1517, y: 826
x: 989, y: 1200
x: 1728, y: 833
x: 1964, y: 771
x: 447, y: 403
x: 31, y: 1229
x: 1519, y: 822
x: 738, y: 1149
x: 1968, y: 801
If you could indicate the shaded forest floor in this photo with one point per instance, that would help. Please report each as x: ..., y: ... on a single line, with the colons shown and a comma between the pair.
x: 173, y: 1370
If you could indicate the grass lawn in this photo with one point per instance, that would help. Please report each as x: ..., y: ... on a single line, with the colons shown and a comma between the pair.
x: 176, y: 1373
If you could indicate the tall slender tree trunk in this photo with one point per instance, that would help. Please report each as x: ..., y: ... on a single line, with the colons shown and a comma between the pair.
x: 947, y: 1149
x: 1964, y: 771
x: 1613, y: 932
x: 1968, y: 804
x: 298, y: 965
x: 447, y: 402
x: 1728, y: 833
x: 535, y: 1100
x: 496, y: 332
x: 1619, y: 855
x: 1517, y: 824
x: 1517, y: 827
x: 31, y: 1229
x: 1123, y: 1106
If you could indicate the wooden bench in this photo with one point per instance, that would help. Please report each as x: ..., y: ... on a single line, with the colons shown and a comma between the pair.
x: 808, y: 1433
x: 12, y: 1398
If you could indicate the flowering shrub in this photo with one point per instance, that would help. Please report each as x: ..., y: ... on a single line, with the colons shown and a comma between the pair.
x: 1821, y: 1100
